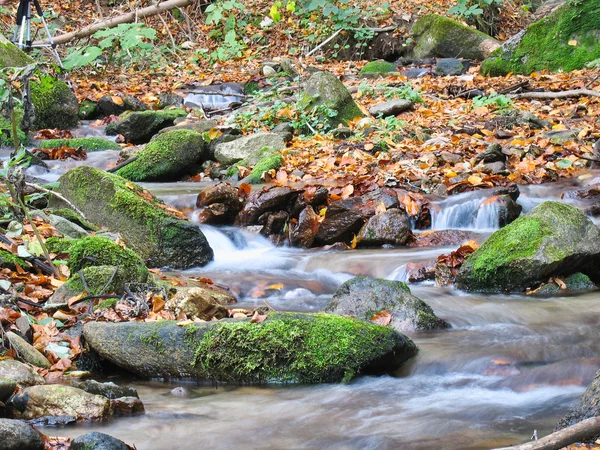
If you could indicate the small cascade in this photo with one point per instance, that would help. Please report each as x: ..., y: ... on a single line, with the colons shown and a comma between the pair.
x: 468, y: 211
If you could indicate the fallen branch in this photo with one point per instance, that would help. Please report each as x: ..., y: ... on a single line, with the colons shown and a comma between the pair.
x: 559, y: 94
x: 123, y: 164
x: 222, y: 94
x: 324, y: 43
x: 114, y: 21
x: 579, y: 432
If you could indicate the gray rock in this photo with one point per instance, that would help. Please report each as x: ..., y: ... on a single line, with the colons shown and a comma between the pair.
x: 362, y: 297
x: 449, y: 66
x: 21, y: 373
x: 27, y: 351
x: 98, y: 441
x: 324, y: 89
x: 390, y: 227
x: 246, y: 147
x: 57, y: 400
x: 283, y: 128
x: 446, y: 38
x: 140, y: 127
x: 553, y: 240
x: 64, y: 226
x: 586, y: 407
x: 17, y: 435
x: 109, y: 390
x: 199, y: 126
x: 391, y: 108
x: 494, y: 167
x: 561, y: 136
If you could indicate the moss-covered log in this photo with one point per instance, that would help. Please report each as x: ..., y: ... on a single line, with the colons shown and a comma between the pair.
x: 89, y: 144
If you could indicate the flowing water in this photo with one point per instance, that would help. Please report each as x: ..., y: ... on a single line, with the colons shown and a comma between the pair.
x: 508, y: 366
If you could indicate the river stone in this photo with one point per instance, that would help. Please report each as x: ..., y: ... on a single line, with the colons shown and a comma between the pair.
x: 139, y: 127
x: 553, y: 240
x: 127, y: 406
x: 199, y: 126
x: 98, y: 441
x: 391, y: 108
x: 304, y: 233
x: 246, y: 147
x: 565, y: 40
x: 17, y: 435
x: 390, y: 227
x: 157, y: 236
x: 341, y: 224
x: 442, y: 37
x: 57, y: 400
x: 7, y: 387
x: 450, y: 66
x: 325, y: 89
x: 260, y: 202
x: 109, y: 390
x: 55, y: 104
x: 203, y: 303
x: 362, y: 297
x: 21, y: 373
x: 27, y: 352
x: 586, y: 407
x: 286, y: 347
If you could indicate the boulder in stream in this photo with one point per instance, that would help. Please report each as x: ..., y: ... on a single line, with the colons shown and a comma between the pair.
x: 283, y: 348
x: 363, y: 297
x: 159, y: 237
x: 140, y: 127
x: 390, y: 227
x: 17, y: 435
x: 55, y: 104
x: 98, y: 441
x: 554, y: 239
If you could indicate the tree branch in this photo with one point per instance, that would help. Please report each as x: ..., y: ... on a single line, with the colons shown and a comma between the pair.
x: 559, y: 94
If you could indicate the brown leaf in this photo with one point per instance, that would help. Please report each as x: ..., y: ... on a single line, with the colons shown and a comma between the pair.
x: 382, y: 318
x: 258, y: 318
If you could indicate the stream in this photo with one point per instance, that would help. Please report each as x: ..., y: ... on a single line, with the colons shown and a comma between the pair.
x: 508, y: 366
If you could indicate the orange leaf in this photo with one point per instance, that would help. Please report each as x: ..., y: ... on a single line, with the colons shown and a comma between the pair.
x: 382, y: 318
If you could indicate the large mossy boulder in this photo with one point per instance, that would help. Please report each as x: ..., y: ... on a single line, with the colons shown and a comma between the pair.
x: 586, y: 407
x: 441, y: 37
x: 284, y: 348
x: 554, y: 239
x: 18, y: 435
x: 364, y: 297
x: 140, y: 127
x: 328, y: 98
x: 54, y: 103
x: 156, y: 235
x: 167, y: 157
x: 565, y: 40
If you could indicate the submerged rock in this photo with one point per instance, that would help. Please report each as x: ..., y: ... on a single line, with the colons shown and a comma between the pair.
x: 362, y: 297
x: 554, y: 239
x: 284, y: 348
x: 446, y: 38
x: 20, y: 373
x: 17, y: 435
x: 158, y: 237
x: 57, y: 400
x: 586, y: 407
x: 98, y: 441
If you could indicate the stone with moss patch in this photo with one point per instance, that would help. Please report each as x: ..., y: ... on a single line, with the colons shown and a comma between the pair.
x: 554, y: 239
x: 88, y: 110
x: 375, y: 68
x: 285, y: 348
x: 323, y: 89
x: 156, y: 235
x: 55, y: 104
x: 442, y: 37
x: 363, y: 297
x: 565, y: 40
x: 74, y: 217
x: 167, y: 157
x: 7, y: 259
x: 140, y: 127
x: 89, y: 144
x: 272, y: 161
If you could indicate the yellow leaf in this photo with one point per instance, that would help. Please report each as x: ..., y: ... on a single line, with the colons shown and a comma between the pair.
x: 276, y: 287
x: 481, y: 111
x: 559, y: 127
x: 572, y: 43
x: 214, y: 133
x: 369, y: 147
x: 354, y: 242
x: 475, y: 180
x: 117, y: 100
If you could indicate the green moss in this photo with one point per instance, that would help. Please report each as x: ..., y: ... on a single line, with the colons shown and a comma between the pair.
x: 579, y: 282
x: 289, y: 347
x: 55, y: 104
x: 88, y: 110
x: 545, y: 44
x: 167, y: 156
x: 106, y: 303
x: 89, y: 144
x: 98, y: 251
x: 59, y: 245
x: 378, y: 67
x: 11, y: 56
x: 140, y: 127
x: 251, y: 88
x: 264, y: 165
x: 7, y: 259
x: 99, y: 279
x: 72, y: 216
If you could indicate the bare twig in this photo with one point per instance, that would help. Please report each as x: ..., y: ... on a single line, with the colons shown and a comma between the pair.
x: 559, y: 94
x: 57, y: 195
x: 324, y: 43
x: 123, y: 164
x: 222, y: 94
x: 579, y: 432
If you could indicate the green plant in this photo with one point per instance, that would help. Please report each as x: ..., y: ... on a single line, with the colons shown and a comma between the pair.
x: 469, y: 8
x: 495, y: 101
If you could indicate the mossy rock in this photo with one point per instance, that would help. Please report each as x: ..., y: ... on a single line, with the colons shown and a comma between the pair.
x: 565, y: 40
x: 59, y: 245
x: 55, y: 104
x: 98, y: 279
x: 285, y: 348
x: 363, y: 297
x: 89, y: 144
x: 270, y: 161
x: 167, y: 157
x: 376, y: 68
x: 88, y: 110
x: 11, y: 55
x: 157, y: 236
x: 7, y: 259
x: 439, y: 36
x: 140, y: 127
x: 554, y: 239
x: 324, y: 89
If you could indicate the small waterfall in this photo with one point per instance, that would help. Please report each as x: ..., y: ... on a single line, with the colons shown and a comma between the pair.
x: 468, y: 211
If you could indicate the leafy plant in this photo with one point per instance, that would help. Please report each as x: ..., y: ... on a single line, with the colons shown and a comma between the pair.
x: 496, y: 101
x: 469, y: 8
